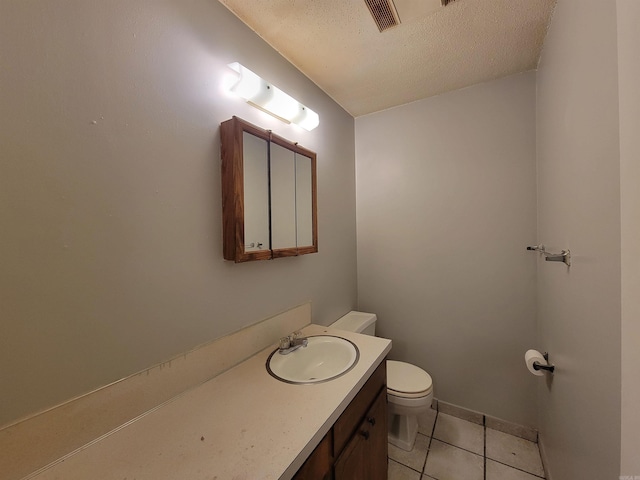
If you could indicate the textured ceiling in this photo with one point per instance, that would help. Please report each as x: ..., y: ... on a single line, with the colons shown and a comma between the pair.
x: 338, y: 46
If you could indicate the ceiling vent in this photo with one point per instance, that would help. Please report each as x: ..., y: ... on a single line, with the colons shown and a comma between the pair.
x: 389, y: 13
x: 383, y: 13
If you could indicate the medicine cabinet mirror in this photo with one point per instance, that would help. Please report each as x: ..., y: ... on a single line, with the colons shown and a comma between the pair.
x: 269, y: 194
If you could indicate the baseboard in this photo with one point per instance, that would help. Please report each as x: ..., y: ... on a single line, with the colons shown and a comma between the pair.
x: 543, y: 456
x: 494, y: 423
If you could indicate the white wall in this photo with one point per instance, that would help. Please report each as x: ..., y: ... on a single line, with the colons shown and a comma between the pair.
x: 629, y: 73
x: 110, y: 201
x: 579, y: 208
x: 445, y: 207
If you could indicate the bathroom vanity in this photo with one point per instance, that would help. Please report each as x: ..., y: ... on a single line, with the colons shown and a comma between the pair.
x: 245, y: 424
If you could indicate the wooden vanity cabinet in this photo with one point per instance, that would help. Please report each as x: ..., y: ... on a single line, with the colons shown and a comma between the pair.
x: 356, y: 446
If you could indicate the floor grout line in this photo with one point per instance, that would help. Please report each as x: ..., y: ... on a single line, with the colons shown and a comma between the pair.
x: 459, y: 448
x: 516, y: 468
x: 400, y: 463
x: 484, y: 431
x: 433, y: 431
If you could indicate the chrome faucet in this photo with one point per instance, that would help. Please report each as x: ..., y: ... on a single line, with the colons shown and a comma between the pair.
x: 291, y: 343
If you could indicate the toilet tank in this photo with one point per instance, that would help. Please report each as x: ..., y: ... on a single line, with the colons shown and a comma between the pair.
x: 359, y: 322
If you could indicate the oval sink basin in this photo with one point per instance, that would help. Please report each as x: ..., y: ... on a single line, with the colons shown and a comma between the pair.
x: 324, y: 358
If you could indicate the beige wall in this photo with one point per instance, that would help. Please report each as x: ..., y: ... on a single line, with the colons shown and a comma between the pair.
x: 110, y: 202
x: 579, y: 208
x: 446, y: 203
x: 629, y: 73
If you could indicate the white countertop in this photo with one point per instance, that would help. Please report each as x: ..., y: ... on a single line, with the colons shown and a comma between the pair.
x: 241, y: 425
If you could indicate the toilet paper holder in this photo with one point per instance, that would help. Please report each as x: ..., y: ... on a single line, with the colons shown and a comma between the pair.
x: 539, y: 366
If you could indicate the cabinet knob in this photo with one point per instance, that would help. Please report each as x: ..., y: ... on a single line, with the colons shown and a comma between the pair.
x: 365, y: 434
x: 371, y: 420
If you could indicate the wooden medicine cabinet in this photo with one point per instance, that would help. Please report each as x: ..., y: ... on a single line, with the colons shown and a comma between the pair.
x: 269, y: 194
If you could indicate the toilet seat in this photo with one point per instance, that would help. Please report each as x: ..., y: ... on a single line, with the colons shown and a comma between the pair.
x: 408, y: 395
x: 407, y: 381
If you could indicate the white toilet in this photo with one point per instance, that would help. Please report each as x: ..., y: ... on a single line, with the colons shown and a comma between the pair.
x: 409, y: 388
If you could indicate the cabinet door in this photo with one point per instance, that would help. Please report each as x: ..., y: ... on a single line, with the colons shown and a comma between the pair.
x: 376, y: 419
x: 365, y: 456
x: 352, y: 463
x: 283, y: 197
x: 318, y: 465
x: 256, y: 192
x: 305, y: 211
x: 245, y: 191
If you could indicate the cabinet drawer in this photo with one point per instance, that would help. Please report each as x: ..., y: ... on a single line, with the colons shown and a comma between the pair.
x: 351, y: 418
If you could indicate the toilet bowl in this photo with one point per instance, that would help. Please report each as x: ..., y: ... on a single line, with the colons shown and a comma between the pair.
x: 409, y: 393
x: 409, y: 388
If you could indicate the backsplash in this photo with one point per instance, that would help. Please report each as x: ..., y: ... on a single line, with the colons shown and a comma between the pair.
x: 36, y: 441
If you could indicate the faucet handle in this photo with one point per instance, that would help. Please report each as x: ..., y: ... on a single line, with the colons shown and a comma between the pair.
x: 285, y: 342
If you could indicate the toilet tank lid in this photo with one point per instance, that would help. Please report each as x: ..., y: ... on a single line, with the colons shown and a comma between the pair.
x: 355, y: 321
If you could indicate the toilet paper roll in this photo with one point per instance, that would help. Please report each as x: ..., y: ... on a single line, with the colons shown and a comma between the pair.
x: 534, y: 356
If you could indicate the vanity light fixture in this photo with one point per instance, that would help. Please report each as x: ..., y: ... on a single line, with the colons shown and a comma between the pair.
x: 269, y: 98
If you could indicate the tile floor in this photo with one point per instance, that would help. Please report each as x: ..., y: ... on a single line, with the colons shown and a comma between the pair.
x: 450, y: 448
